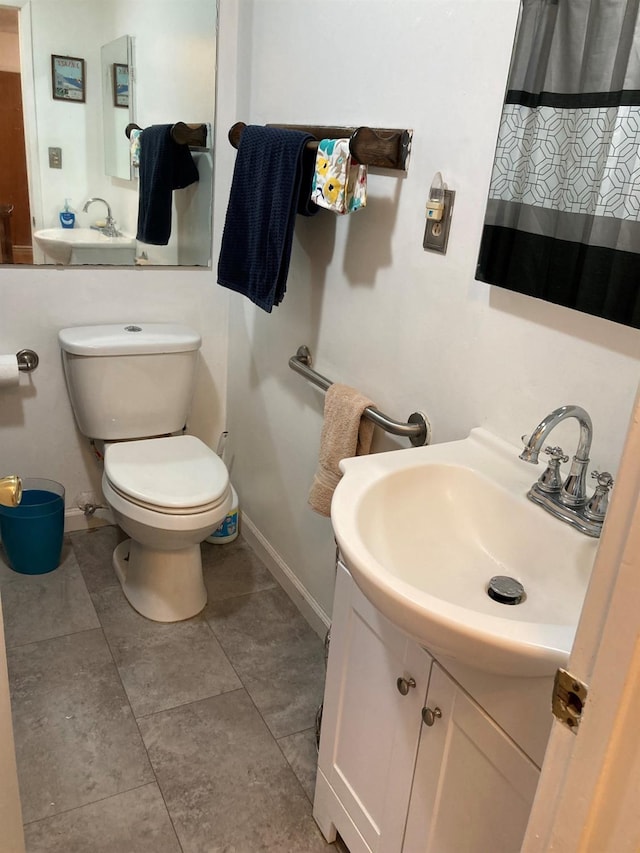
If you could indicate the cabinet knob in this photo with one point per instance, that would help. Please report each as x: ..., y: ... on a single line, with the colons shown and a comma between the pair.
x: 405, y: 684
x: 429, y: 716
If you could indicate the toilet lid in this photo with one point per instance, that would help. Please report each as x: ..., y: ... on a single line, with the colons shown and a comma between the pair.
x: 177, y: 472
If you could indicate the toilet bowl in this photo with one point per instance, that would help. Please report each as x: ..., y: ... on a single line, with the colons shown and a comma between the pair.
x: 167, y: 494
x: 131, y: 386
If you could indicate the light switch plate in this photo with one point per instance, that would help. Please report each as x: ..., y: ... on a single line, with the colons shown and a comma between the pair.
x: 436, y: 234
x: 55, y: 158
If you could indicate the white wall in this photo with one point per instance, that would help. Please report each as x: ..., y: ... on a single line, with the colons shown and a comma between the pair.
x: 38, y: 436
x: 409, y: 328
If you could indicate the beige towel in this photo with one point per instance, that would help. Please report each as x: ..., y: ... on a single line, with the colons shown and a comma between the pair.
x: 344, y: 433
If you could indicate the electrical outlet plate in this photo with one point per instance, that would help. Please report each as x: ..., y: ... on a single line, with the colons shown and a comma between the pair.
x: 55, y: 158
x: 436, y: 234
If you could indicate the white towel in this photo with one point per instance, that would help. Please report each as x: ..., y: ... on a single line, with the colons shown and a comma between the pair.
x: 344, y: 433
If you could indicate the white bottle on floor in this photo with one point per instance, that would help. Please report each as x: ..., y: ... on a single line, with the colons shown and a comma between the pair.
x: 227, y: 530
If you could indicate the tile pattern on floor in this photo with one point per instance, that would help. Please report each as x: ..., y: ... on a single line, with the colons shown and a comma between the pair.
x: 133, y: 736
x: 278, y: 658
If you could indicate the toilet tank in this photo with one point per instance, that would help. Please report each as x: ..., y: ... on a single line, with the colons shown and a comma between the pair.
x: 130, y: 380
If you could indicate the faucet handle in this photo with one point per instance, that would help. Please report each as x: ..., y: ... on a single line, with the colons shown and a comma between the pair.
x: 605, y: 479
x: 556, y: 454
x: 550, y: 480
x: 596, y: 508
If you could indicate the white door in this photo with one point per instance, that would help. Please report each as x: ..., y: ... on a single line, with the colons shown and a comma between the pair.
x: 587, y: 798
x: 473, y: 786
x: 11, y: 835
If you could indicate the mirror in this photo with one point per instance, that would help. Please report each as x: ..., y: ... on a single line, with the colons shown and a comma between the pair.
x: 77, y: 149
x: 116, y: 59
x: 563, y: 219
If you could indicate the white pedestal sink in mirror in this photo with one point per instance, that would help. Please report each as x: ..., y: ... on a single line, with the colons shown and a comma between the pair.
x: 424, y: 530
x: 74, y: 246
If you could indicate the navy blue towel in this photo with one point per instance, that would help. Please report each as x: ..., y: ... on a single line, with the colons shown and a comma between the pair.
x: 271, y: 182
x: 164, y: 166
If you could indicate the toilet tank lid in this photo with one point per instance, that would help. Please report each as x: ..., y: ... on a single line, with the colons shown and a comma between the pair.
x: 129, y: 339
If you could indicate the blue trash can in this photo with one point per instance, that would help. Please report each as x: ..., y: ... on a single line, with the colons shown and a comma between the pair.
x: 32, y: 532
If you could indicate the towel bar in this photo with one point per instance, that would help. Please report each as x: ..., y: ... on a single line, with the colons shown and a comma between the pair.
x: 193, y: 135
x: 417, y: 429
x: 387, y: 148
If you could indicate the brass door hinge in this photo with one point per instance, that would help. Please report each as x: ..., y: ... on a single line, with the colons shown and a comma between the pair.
x: 569, y: 697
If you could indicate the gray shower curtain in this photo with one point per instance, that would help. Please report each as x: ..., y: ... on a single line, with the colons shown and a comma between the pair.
x: 563, y: 216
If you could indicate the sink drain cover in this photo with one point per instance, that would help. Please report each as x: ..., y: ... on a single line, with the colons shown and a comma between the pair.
x: 505, y: 590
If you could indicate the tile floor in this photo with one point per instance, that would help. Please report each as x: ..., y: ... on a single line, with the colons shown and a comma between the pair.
x: 134, y: 736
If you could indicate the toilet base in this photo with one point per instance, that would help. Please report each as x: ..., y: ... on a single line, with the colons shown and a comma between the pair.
x: 166, y: 586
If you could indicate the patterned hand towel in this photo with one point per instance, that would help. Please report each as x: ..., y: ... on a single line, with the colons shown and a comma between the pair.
x: 268, y: 188
x: 344, y: 433
x: 339, y: 182
x: 135, y: 146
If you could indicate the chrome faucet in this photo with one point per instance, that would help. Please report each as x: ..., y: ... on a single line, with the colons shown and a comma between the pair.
x: 109, y: 230
x: 568, y: 500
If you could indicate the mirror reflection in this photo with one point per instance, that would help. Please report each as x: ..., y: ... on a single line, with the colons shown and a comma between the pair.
x: 116, y: 59
x: 151, y: 62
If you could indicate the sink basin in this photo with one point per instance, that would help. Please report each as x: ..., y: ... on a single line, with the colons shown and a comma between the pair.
x: 423, y: 531
x: 85, y: 246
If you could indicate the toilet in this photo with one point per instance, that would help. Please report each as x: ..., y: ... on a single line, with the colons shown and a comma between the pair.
x: 131, y: 386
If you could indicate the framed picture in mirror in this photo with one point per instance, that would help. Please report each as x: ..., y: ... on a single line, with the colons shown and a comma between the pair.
x: 120, y: 85
x: 68, y: 78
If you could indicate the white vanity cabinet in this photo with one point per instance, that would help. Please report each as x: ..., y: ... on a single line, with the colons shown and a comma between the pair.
x: 370, y: 729
x: 473, y: 786
x: 389, y: 782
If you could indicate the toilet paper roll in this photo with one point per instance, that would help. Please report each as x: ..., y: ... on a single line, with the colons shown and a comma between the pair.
x: 9, y: 373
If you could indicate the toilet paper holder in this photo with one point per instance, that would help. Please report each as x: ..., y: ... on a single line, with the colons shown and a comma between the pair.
x: 27, y: 360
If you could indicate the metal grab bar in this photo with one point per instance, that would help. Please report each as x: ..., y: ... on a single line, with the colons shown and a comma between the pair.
x: 417, y: 429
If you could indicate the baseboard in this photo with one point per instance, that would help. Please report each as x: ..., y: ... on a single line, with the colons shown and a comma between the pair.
x: 75, y: 519
x: 22, y: 255
x: 306, y: 604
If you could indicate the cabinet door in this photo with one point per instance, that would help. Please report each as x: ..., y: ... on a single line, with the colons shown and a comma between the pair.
x: 473, y: 787
x: 370, y: 730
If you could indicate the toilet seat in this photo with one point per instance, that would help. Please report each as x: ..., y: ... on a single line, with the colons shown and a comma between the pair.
x: 191, y: 510
x: 176, y: 475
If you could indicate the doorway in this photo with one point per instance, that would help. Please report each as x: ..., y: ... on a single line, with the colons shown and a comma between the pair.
x: 15, y: 218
